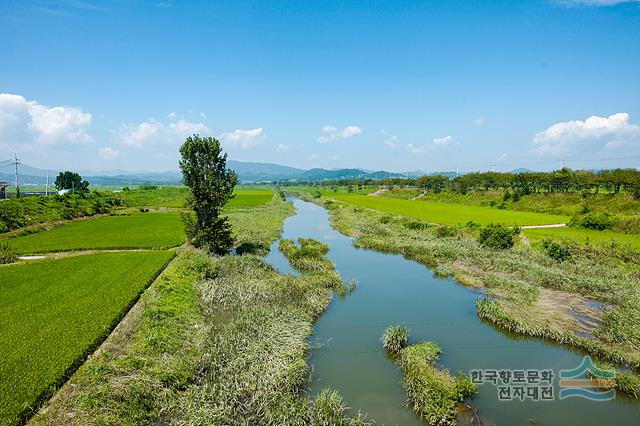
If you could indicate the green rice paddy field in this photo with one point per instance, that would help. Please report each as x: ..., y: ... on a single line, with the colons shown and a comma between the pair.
x: 174, y: 197
x: 584, y: 235
x: 250, y: 198
x: 53, y: 313
x: 140, y: 230
x: 448, y: 213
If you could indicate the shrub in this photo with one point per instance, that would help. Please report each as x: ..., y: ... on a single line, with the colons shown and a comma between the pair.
x: 395, y: 338
x: 496, y: 236
x: 447, y: 231
x: 414, y: 224
x: 596, y: 221
x: 556, y: 250
x: 386, y: 218
x: 7, y: 255
x: 472, y: 225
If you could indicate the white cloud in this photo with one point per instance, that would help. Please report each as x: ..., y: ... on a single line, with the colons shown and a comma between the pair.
x: 108, y: 153
x: 479, y: 121
x: 392, y: 142
x: 592, y: 134
x: 442, y: 142
x: 28, y: 123
x: 283, y: 147
x: 183, y: 128
x: 331, y: 133
x: 139, y: 134
x: 243, y: 138
x: 313, y: 156
x: 437, y: 144
x: 153, y: 131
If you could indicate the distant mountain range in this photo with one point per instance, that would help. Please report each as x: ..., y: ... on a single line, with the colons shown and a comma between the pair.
x: 247, y: 173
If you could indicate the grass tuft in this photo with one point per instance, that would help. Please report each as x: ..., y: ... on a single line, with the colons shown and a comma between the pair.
x: 395, y: 338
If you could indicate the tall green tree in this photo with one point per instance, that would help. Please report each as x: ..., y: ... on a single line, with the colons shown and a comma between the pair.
x: 204, y: 171
x: 73, y: 181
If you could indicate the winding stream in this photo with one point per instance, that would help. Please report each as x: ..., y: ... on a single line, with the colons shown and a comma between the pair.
x: 393, y: 290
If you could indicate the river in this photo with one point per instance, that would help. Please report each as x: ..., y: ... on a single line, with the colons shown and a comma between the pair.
x: 393, y: 290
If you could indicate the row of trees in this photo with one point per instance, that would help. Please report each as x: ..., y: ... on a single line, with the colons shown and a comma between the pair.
x: 563, y: 180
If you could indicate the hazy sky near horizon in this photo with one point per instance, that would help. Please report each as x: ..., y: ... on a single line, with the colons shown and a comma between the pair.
x: 404, y: 85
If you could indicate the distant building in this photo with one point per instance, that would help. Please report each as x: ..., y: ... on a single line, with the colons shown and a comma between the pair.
x: 64, y: 191
x: 3, y: 190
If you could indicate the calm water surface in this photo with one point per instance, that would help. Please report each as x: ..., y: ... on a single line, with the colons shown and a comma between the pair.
x: 393, y: 290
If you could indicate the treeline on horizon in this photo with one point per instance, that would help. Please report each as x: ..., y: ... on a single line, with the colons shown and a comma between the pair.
x: 557, y: 181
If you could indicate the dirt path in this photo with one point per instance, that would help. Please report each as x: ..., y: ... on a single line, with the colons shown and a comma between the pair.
x: 554, y: 225
x: 378, y: 192
x: 63, y: 254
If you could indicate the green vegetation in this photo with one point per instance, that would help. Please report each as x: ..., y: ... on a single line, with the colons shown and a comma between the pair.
x: 23, y: 212
x: 395, y: 338
x: 556, y: 250
x: 20, y: 212
x: 210, y: 183
x: 7, y: 254
x: 447, y: 213
x: 166, y: 196
x: 541, y: 293
x: 71, y: 181
x: 54, y: 313
x: 309, y: 257
x: 432, y: 393
x: 148, y: 230
x: 217, y: 340
x: 497, y: 236
x: 250, y: 198
x: 605, y: 239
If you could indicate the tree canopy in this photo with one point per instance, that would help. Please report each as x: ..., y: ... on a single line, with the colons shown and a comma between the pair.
x: 204, y: 170
x: 72, y: 181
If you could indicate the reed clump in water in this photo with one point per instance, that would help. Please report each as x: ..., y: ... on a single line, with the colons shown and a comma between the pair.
x: 432, y: 393
x: 308, y: 257
x: 394, y: 339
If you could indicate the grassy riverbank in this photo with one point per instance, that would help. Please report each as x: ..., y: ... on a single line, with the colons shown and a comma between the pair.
x: 217, y: 340
x: 594, y: 296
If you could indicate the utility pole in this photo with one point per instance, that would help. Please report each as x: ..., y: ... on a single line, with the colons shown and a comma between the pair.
x: 16, y: 162
x: 46, y: 187
x: 561, y: 164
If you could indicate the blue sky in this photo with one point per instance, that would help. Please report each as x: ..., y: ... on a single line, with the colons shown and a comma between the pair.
x: 438, y: 85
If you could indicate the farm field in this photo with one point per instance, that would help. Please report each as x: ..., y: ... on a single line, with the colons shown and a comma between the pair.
x: 449, y: 213
x: 53, y: 313
x: 582, y: 235
x: 140, y: 230
x: 174, y: 197
x: 250, y: 198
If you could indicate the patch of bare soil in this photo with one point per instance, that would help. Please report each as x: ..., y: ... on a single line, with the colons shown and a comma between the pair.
x: 378, y: 192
